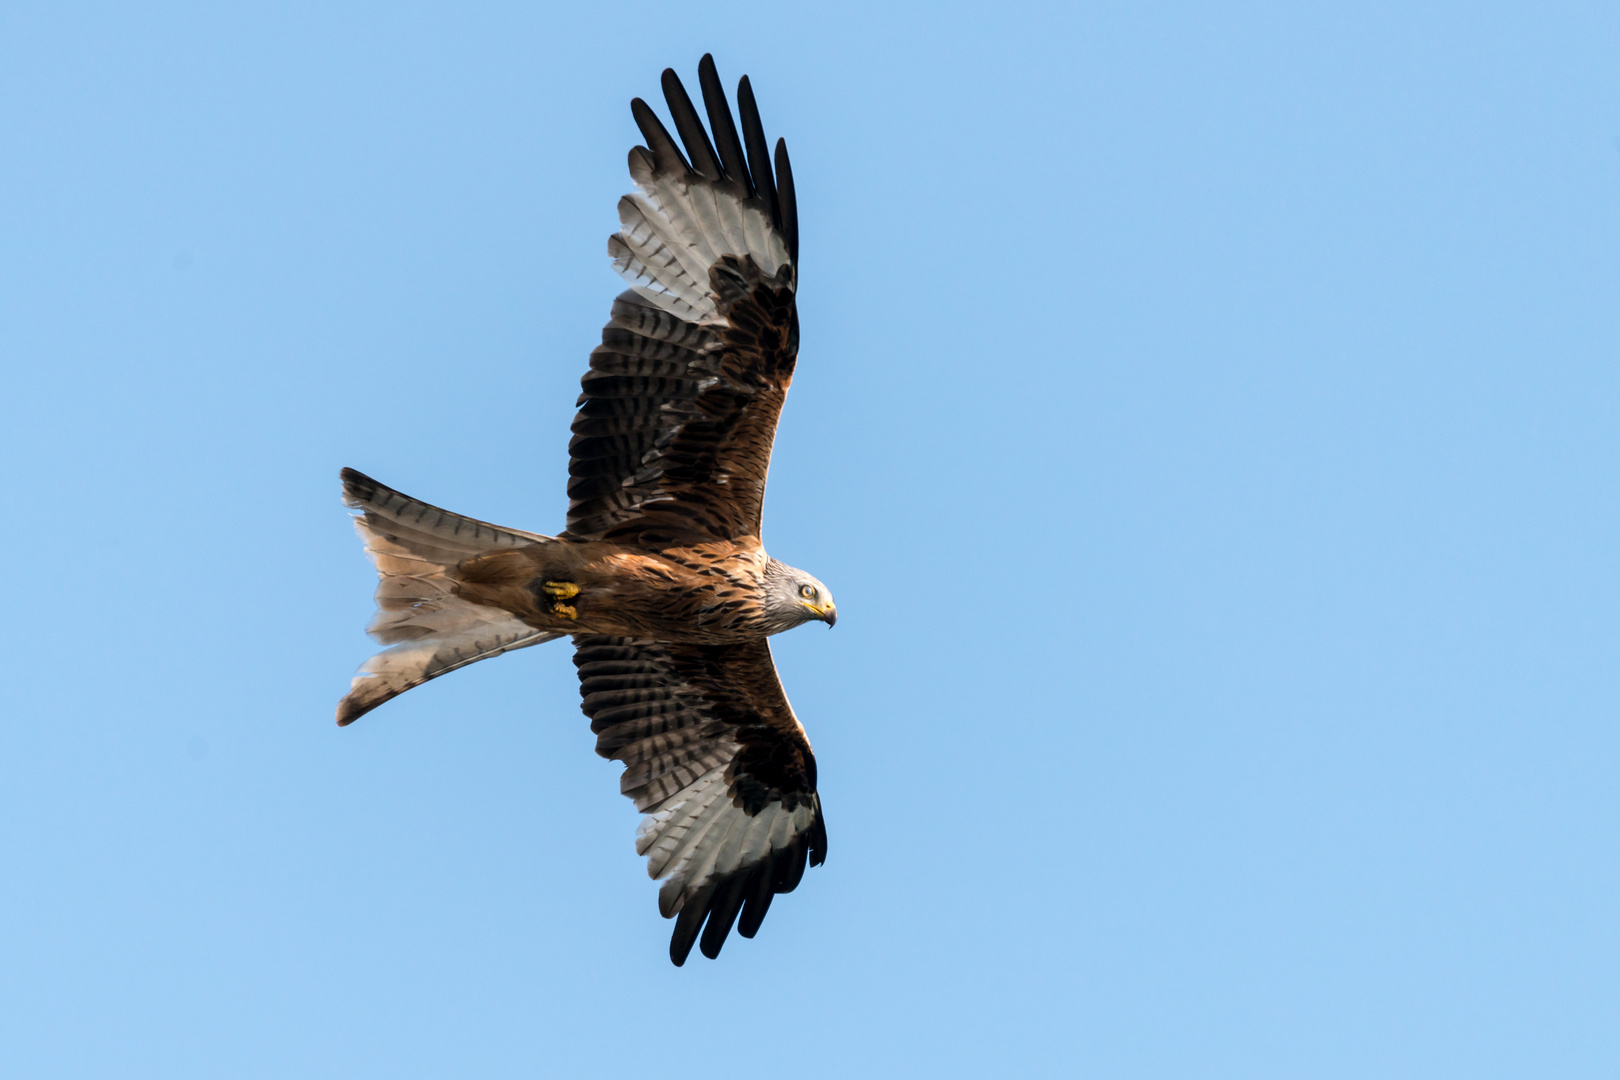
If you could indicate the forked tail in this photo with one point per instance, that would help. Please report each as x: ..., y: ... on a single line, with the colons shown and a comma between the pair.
x: 417, y: 548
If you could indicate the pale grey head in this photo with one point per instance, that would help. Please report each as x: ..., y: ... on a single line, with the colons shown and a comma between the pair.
x: 793, y: 597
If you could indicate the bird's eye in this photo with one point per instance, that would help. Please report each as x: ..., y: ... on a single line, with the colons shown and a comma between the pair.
x: 807, y: 591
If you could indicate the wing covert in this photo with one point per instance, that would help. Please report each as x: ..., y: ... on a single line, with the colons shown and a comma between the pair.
x: 716, y: 759
x: 678, y: 411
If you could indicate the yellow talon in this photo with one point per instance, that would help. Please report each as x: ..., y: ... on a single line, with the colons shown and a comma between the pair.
x: 566, y: 611
x: 562, y: 590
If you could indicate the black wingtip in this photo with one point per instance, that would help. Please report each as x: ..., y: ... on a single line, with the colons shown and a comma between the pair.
x: 761, y: 889
x: 687, y: 924
x: 723, y: 127
x: 722, y: 914
x: 666, y: 155
x: 699, y: 151
x: 759, y: 158
x: 787, y: 200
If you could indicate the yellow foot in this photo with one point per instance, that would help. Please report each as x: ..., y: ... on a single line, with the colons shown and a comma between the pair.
x: 562, y: 590
x: 566, y: 611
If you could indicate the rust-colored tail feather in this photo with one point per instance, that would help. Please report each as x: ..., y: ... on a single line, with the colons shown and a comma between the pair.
x: 416, y: 548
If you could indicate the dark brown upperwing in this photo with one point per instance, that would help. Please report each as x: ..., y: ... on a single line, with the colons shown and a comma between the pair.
x: 673, y: 436
x: 717, y: 760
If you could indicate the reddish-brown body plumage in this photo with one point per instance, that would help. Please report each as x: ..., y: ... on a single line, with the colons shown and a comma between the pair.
x: 703, y: 594
x: 660, y: 576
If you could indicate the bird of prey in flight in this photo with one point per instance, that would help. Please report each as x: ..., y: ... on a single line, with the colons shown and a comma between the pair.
x: 660, y: 576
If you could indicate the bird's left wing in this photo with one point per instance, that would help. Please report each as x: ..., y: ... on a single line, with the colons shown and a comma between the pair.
x: 673, y: 435
x: 720, y: 765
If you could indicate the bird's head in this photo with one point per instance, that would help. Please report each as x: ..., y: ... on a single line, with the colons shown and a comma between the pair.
x: 793, y: 597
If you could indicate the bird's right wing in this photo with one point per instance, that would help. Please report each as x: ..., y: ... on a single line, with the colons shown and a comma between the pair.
x: 720, y: 765
x: 673, y: 435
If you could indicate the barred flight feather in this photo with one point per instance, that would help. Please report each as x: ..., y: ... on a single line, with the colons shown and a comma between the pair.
x: 670, y: 448
x: 676, y: 441
x: 727, y: 784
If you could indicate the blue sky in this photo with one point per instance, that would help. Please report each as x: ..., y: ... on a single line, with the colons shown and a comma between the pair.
x: 1206, y: 419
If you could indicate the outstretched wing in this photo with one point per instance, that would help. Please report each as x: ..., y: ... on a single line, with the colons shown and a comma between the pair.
x: 673, y: 435
x: 715, y: 757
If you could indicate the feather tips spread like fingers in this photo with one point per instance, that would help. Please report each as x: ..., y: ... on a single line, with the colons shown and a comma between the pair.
x: 699, y: 151
x: 720, y: 122
x: 749, y: 893
x: 707, y: 243
x: 759, y: 160
x: 787, y: 201
x: 716, y: 758
x: 665, y: 155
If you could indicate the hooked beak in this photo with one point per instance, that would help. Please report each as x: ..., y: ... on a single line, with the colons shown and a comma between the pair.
x: 827, y: 614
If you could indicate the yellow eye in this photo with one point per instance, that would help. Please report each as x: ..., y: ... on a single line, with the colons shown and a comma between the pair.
x: 807, y: 591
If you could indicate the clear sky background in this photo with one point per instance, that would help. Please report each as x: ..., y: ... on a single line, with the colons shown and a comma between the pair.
x: 1206, y: 419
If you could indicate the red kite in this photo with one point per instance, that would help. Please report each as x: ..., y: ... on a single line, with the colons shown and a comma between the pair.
x: 660, y: 576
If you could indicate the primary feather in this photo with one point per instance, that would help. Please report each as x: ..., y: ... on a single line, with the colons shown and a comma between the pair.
x: 660, y: 576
